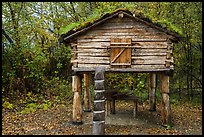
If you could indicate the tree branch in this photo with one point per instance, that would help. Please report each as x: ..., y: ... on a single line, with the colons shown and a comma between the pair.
x: 7, y: 37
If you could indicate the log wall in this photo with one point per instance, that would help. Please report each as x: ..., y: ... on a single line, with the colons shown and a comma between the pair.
x: 150, y: 47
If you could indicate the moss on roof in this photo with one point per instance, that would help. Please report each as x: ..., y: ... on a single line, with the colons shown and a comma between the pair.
x: 74, y: 27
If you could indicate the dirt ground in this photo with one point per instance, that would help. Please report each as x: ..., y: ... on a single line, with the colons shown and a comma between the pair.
x: 57, y: 121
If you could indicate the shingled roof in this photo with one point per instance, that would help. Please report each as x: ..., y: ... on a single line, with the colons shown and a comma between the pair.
x: 139, y: 17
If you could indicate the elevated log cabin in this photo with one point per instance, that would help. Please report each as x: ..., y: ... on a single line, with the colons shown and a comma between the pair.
x: 121, y: 42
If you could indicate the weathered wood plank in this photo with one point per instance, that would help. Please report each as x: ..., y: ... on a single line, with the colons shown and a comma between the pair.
x: 134, y: 68
x: 130, y: 24
x: 121, y: 32
x: 150, y: 50
x: 135, y: 46
x: 140, y: 54
x: 133, y: 39
x: 93, y: 54
x: 99, y: 54
x: 150, y: 57
x: 131, y: 34
x: 135, y: 60
x: 90, y: 50
x: 150, y: 62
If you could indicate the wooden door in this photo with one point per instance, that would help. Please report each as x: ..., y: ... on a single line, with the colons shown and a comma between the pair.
x: 120, y: 53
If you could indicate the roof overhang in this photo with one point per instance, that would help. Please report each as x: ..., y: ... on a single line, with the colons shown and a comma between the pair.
x: 70, y: 35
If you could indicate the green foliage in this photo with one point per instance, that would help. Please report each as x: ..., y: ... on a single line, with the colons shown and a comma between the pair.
x: 7, y: 105
x: 68, y: 27
x: 36, y: 63
x: 28, y: 110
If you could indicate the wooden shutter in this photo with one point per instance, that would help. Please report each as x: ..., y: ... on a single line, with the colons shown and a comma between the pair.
x: 120, y: 53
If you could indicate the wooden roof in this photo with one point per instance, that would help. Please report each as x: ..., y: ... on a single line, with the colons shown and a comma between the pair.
x: 67, y: 37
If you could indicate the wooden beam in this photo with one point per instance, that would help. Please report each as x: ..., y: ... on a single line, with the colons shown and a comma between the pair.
x: 152, y: 90
x: 123, y: 70
x: 77, y: 107
x: 87, y: 96
x: 166, y: 113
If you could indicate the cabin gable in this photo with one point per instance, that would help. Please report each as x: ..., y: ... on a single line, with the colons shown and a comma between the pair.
x: 150, y: 48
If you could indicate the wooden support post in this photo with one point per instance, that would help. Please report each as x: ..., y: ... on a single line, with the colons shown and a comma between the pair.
x: 113, y: 107
x: 108, y: 107
x: 152, y: 95
x: 77, y: 107
x: 99, y: 103
x: 135, y: 109
x: 87, y: 96
x: 166, y: 113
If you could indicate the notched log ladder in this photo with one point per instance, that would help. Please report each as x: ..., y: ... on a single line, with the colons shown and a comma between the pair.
x: 99, y: 102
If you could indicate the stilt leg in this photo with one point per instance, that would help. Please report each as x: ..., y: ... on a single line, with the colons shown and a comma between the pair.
x: 87, y: 97
x: 77, y: 107
x: 166, y: 108
x: 152, y: 95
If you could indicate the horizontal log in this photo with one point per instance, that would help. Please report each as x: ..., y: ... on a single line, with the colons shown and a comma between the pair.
x: 135, y: 46
x: 135, y: 60
x: 98, y: 54
x: 120, y: 64
x: 133, y: 39
x: 86, y: 61
x: 150, y: 57
x: 93, y: 58
x: 137, y: 51
x: 138, y: 68
x: 93, y: 65
x: 121, y: 35
x: 121, y: 24
x: 91, y: 50
x: 140, y: 54
x: 151, y: 62
x: 121, y: 32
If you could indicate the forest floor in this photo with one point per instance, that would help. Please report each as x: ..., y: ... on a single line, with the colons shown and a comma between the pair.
x: 187, y: 120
